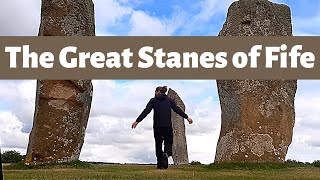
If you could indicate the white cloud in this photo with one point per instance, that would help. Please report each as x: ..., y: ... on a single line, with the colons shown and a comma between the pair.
x: 20, y: 100
x: 144, y: 25
x: 11, y: 135
x: 19, y: 17
x: 22, y: 18
x: 202, y: 147
x: 108, y: 14
x: 304, y: 145
x: 208, y: 9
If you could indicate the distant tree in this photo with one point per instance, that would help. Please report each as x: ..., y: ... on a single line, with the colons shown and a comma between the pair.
x: 316, y: 163
x: 11, y: 157
x: 294, y: 161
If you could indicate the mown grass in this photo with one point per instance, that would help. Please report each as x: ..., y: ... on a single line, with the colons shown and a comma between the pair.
x: 257, y: 166
x: 82, y: 170
x: 73, y: 164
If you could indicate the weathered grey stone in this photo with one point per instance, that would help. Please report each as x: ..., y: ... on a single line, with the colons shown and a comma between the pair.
x: 62, y: 107
x: 60, y: 120
x: 257, y: 115
x: 257, y: 18
x: 179, y: 147
x: 67, y: 18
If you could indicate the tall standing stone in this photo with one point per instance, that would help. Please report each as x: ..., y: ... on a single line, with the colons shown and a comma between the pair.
x: 257, y: 115
x: 179, y: 147
x: 62, y: 106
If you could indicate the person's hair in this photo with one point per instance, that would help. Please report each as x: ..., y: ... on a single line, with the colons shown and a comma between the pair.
x: 162, y: 89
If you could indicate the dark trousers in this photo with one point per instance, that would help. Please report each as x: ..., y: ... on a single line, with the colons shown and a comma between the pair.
x: 163, y: 134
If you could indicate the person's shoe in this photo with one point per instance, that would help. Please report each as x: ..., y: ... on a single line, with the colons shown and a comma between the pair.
x: 159, y: 164
x: 165, y: 163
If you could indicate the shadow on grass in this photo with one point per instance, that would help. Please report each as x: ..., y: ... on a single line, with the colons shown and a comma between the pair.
x: 256, y: 166
x: 73, y: 164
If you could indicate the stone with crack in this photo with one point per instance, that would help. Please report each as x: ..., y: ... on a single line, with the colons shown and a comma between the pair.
x: 62, y: 107
x: 257, y: 116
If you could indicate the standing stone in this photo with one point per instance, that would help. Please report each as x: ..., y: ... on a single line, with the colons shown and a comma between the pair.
x: 257, y: 115
x: 179, y: 147
x: 62, y: 107
x: 60, y: 120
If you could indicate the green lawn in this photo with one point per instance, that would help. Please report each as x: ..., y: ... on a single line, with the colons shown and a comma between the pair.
x: 141, y: 172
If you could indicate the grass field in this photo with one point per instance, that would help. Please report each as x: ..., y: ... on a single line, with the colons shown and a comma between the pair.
x: 140, y: 172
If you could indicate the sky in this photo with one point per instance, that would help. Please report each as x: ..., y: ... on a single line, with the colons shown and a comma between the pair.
x: 117, y: 103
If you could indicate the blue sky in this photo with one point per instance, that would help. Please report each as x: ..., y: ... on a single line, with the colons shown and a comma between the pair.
x: 204, y: 18
x: 111, y: 117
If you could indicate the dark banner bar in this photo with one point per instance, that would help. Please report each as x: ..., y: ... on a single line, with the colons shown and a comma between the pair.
x: 163, y: 57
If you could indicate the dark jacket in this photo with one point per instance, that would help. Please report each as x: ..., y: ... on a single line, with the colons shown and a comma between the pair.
x: 161, y: 106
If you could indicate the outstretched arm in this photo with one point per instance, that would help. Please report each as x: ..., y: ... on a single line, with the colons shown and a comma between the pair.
x: 144, y: 113
x: 179, y: 111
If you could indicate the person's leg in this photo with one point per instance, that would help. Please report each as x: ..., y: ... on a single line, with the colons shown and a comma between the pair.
x: 158, y: 143
x: 168, y: 141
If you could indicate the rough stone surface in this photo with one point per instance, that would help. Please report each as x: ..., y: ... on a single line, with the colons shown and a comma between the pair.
x: 257, y: 18
x: 179, y: 147
x: 67, y: 18
x: 62, y: 107
x: 257, y: 115
x: 60, y: 120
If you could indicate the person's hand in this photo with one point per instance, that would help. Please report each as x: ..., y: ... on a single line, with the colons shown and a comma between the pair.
x: 134, y: 124
x: 190, y: 120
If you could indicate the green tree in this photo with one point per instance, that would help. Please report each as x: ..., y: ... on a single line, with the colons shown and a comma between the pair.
x: 11, y: 157
x: 316, y: 163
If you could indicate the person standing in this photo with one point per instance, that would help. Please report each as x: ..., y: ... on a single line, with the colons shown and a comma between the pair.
x: 162, y: 124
